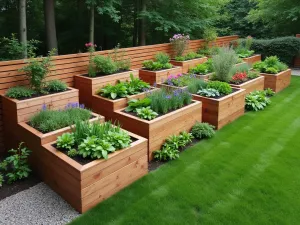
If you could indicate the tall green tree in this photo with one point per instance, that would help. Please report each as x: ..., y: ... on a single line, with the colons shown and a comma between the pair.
x: 281, y: 16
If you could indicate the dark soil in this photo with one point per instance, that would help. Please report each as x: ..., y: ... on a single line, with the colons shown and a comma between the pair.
x: 103, y: 74
x: 153, y: 165
x: 10, y: 189
x: 39, y: 95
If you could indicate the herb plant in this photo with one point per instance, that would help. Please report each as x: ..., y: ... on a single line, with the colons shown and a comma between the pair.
x: 195, y: 85
x: 146, y: 113
x: 257, y: 100
x: 161, y: 62
x: 203, y: 130
x: 72, y: 153
x: 203, y: 69
x: 15, y: 166
x: 104, y: 65
x: 222, y: 87
x: 19, y: 92
x: 243, y: 48
x: 189, y: 56
x: 56, y: 86
x: 66, y: 141
x: 118, y: 56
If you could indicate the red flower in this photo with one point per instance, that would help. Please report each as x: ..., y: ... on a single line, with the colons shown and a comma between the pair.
x: 240, y: 76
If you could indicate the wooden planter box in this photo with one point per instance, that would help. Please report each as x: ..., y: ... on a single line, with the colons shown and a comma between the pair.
x: 84, y: 186
x: 278, y: 82
x: 88, y: 86
x: 186, y: 65
x: 222, y: 111
x: 107, y: 107
x: 16, y: 111
x: 252, y: 59
x: 159, y: 129
x: 204, y: 77
x: 256, y: 84
x: 160, y: 76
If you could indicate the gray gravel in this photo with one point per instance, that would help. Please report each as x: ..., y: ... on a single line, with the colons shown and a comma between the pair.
x: 35, y: 206
x: 296, y: 72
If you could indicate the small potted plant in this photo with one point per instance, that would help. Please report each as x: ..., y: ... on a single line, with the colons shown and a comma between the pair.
x: 160, y: 114
x: 91, y: 162
x: 277, y: 74
x: 21, y: 102
x: 158, y: 70
x: 102, y: 70
x: 243, y: 50
x: 180, y: 44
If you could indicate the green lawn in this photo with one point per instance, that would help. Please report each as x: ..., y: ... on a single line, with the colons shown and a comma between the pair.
x: 249, y: 173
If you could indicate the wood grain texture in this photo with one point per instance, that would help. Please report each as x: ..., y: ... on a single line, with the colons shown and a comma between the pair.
x: 89, y: 86
x: 159, y: 129
x: 252, y: 59
x: 256, y: 84
x: 187, y: 65
x: 68, y: 66
x: 278, y: 82
x: 153, y: 77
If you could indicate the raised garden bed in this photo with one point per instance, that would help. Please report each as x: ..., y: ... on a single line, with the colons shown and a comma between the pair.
x: 204, y: 77
x: 219, y: 111
x: 84, y: 186
x: 252, y: 59
x: 88, y: 86
x: 107, y: 107
x: 256, y: 84
x: 186, y: 65
x: 159, y: 76
x: 160, y: 128
x: 278, y: 82
x: 16, y: 111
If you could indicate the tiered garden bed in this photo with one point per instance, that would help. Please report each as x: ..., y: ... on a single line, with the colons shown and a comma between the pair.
x: 84, y: 186
x: 186, y: 65
x: 160, y: 128
x: 256, y: 84
x: 160, y: 76
x: 252, y: 59
x: 87, y: 86
x: 278, y: 82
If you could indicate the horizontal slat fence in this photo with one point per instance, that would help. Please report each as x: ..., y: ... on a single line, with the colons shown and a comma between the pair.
x: 67, y: 66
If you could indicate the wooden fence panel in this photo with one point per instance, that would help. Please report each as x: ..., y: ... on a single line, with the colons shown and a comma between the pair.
x: 67, y: 66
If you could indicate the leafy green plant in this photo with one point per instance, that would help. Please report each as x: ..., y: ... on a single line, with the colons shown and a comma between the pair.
x: 162, y: 58
x: 1, y: 179
x: 185, y: 138
x: 118, y: 56
x: 72, y: 153
x: 146, y: 113
x: 209, y: 35
x: 166, y: 154
x: 66, y: 141
x: 223, y: 87
x: 161, y: 62
x: 37, y: 69
x: 269, y: 92
x: 15, y: 166
x: 223, y: 64
x: 179, y: 43
x: 252, y: 74
x: 56, y: 86
x: 243, y: 47
x: 203, y: 69
x: 119, y: 138
x: 136, y: 85
x: 19, y: 92
x: 270, y: 65
x: 189, y: 56
x: 114, y: 91
x: 137, y: 103
x: 203, y: 130
x: 257, y: 100
x: 195, y: 85
x: 104, y: 65
x: 209, y: 92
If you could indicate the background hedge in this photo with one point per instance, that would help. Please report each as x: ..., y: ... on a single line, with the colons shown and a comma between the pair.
x: 286, y: 48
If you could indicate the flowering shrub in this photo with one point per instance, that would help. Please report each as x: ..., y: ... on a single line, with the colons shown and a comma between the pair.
x: 239, y: 78
x: 180, y: 43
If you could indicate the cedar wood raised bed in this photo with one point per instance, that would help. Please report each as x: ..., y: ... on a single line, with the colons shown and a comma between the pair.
x: 107, y: 107
x: 84, y: 186
x: 278, y: 82
x: 252, y: 59
x: 88, y: 86
x: 222, y: 111
x: 186, y: 65
x: 160, y: 128
x: 256, y: 84
x: 160, y: 76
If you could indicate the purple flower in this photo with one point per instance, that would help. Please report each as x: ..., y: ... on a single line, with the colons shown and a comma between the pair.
x: 169, y: 82
x: 44, y: 107
x: 168, y: 97
x: 81, y: 106
x: 155, y: 84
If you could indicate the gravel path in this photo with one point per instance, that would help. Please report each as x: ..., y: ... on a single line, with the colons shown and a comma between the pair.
x: 296, y: 72
x: 36, y: 206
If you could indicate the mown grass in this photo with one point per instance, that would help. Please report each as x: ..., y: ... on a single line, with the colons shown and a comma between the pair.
x: 249, y: 173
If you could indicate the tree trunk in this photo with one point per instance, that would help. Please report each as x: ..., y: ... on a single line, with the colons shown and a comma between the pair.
x: 135, y: 23
x: 92, y: 24
x: 49, y: 13
x: 23, y: 26
x: 142, y: 28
